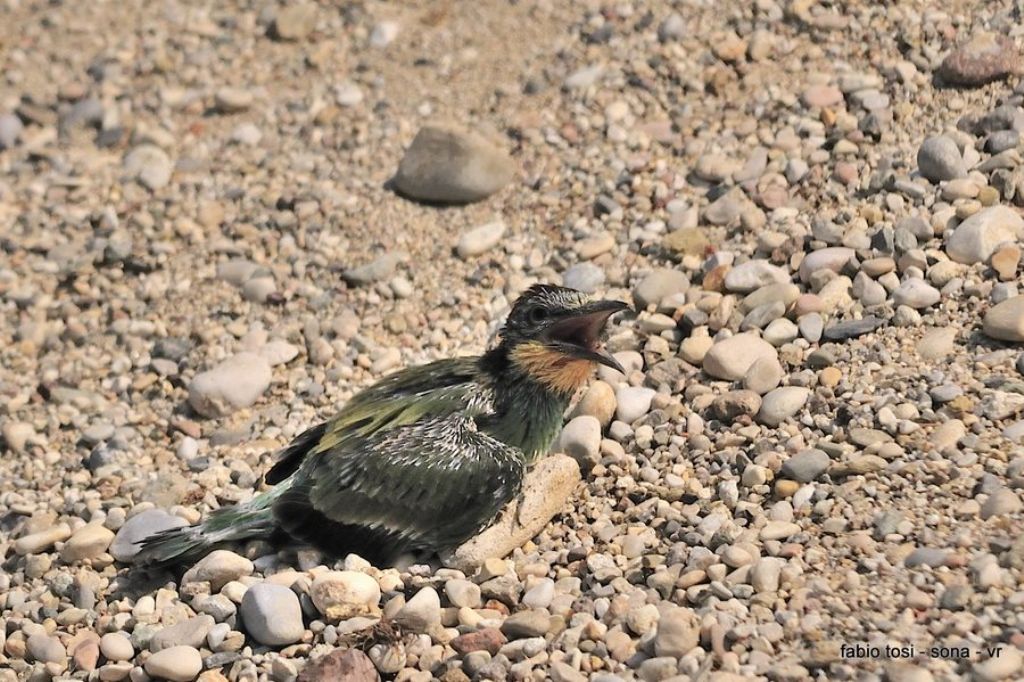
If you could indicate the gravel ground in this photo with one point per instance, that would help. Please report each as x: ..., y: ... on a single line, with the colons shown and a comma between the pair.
x: 216, y: 224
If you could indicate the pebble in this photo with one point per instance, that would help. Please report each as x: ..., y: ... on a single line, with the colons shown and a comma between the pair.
x: 1001, y: 502
x: 449, y: 164
x: 218, y: 568
x: 115, y: 646
x: 138, y: 528
x: 977, y: 238
x: 678, y: 632
x: 480, y: 239
x: 779, y: 530
x: 178, y: 664
x: 10, y: 130
x: 832, y: 258
x: 598, y: 402
x: 730, y: 358
x: 42, y: 540
x: 344, y: 594
x: 233, y: 384
x: 1005, y: 321
x: 272, y: 614
x: 585, y: 277
x: 763, y: 375
x: 384, y: 33
x: 150, y: 165
x: 659, y: 285
x: 754, y: 274
x: 806, y: 466
x: 295, y: 21
x: 633, y: 402
x: 46, y: 649
x: 916, y: 293
x: 1005, y: 666
x: 985, y: 57
x: 381, y: 268
x: 939, y: 159
x: 581, y: 440
x: 88, y: 542
x: 421, y: 613
x: 232, y: 100
x: 781, y: 404
x: 851, y: 329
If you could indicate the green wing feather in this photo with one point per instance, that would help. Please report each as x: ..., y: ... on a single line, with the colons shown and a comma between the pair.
x: 402, y: 465
x: 435, y: 389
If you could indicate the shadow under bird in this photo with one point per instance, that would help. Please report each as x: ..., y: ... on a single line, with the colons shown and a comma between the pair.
x: 429, y: 456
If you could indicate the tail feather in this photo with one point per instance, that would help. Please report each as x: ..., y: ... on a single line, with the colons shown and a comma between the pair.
x: 185, y: 545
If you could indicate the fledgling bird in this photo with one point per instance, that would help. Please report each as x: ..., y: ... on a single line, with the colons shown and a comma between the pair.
x: 427, y: 457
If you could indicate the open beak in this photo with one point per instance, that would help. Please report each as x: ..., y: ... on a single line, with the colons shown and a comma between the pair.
x: 579, y: 333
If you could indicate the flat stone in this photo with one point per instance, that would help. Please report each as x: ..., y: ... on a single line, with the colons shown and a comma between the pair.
x: 937, y: 343
x: 190, y: 632
x: 851, y: 329
x: 449, y: 164
x: 546, y: 489
x: 1001, y: 502
x: 585, y: 277
x: 46, y: 649
x: 43, y: 540
x: 529, y: 623
x: 781, y: 404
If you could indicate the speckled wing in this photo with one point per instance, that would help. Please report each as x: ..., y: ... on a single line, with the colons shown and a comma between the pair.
x: 433, y: 390
x: 427, y: 485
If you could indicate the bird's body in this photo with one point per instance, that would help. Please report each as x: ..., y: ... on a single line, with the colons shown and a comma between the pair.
x: 427, y: 457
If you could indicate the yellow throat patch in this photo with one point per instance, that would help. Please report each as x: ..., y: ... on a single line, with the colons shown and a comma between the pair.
x: 555, y: 370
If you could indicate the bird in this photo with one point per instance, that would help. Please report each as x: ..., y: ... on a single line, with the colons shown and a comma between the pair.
x: 427, y: 457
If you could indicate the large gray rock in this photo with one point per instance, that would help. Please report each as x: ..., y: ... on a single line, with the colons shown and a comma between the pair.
x: 449, y: 164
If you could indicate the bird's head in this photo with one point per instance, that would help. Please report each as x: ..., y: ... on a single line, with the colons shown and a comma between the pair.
x: 553, y: 334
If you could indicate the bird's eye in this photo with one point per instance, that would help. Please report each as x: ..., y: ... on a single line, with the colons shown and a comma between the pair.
x: 538, y: 315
